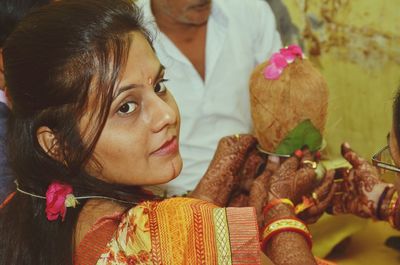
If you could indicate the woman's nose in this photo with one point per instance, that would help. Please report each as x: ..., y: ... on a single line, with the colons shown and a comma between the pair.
x: 161, y: 113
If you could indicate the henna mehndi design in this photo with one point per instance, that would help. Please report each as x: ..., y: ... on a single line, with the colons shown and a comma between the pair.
x: 222, y: 176
x: 361, y: 188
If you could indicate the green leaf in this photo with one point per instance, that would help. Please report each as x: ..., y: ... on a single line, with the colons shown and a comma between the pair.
x: 303, y: 134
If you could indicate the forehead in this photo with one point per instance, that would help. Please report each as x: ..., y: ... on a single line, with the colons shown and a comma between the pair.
x: 141, y: 49
x: 141, y: 61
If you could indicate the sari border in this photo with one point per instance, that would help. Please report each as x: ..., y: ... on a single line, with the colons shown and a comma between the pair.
x: 222, y: 237
x: 244, y: 235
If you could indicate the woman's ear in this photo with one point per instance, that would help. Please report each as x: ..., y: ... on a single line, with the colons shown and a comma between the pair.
x: 48, y: 141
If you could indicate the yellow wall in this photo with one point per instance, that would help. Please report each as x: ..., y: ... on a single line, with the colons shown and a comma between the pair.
x: 356, y: 45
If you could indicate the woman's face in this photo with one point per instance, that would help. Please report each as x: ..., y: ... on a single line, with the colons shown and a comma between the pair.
x: 139, y: 144
x: 190, y: 12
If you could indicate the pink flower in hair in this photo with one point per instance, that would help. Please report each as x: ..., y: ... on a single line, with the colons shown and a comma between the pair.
x: 56, y: 196
x: 280, y: 60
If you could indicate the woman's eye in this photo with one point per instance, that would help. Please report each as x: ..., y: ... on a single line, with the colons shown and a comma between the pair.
x: 127, y: 108
x: 160, y: 87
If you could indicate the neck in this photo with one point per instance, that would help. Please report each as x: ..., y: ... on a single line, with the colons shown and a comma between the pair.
x: 168, y: 24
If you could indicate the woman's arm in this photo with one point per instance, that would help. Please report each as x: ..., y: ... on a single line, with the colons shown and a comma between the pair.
x: 285, y: 238
x: 287, y: 247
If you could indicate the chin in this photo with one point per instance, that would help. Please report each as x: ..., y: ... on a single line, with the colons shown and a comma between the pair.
x: 174, y: 169
x: 177, y: 167
x: 201, y: 19
x: 162, y: 180
x: 197, y: 19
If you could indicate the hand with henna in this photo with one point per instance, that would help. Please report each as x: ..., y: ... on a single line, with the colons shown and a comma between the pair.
x: 296, y: 179
x: 259, y: 189
x: 234, y: 163
x: 321, y: 198
x: 258, y: 195
x: 293, y: 179
x: 360, y: 189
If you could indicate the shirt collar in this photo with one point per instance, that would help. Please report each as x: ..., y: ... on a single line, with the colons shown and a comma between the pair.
x: 218, y: 13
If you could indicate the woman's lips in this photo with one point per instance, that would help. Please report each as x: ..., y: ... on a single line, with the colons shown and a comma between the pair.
x: 168, y: 148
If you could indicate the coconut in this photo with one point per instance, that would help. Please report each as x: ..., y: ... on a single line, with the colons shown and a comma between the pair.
x: 278, y: 106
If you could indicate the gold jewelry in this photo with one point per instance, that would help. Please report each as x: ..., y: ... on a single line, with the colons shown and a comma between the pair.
x: 313, y: 164
x: 314, y: 195
x: 237, y: 136
x: 338, y: 180
x: 304, y: 205
x: 287, y: 201
x: 285, y: 225
x: 275, y: 202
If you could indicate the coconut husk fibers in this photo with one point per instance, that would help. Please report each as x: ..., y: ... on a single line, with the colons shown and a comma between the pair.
x: 278, y: 106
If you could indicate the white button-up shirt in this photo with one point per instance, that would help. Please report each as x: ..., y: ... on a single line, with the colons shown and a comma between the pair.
x: 240, y: 35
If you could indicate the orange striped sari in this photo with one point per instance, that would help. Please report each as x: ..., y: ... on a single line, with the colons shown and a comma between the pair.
x: 174, y: 231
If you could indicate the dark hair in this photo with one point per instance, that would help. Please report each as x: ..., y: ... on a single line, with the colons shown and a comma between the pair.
x: 12, y: 11
x: 55, y: 57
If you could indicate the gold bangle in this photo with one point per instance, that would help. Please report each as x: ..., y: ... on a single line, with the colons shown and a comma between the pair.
x: 287, y: 201
x: 275, y: 202
x: 306, y: 203
x: 285, y: 225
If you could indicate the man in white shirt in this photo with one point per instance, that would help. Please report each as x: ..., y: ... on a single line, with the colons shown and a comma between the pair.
x: 209, y: 49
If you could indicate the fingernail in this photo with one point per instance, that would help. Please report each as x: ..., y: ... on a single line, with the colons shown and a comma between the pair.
x: 347, y: 145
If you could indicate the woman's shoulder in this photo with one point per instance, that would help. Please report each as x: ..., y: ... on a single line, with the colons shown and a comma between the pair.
x: 94, y: 213
x: 96, y: 226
